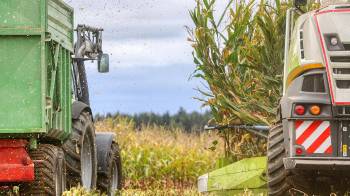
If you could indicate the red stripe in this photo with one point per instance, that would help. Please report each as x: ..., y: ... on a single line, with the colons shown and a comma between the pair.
x: 342, y: 103
x: 298, y: 123
x: 329, y: 150
x: 325, y: 58
x: 328, y: 11
x: 317, y: 143
x: 308, y: 132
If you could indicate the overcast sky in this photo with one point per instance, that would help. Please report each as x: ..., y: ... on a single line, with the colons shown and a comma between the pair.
x: 151, y: 60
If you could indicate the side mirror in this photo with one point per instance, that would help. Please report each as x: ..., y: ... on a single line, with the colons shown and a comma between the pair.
x: 299, y: 3
x: 103, y: 63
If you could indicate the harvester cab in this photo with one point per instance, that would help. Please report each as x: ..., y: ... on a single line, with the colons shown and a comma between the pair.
x: 309, y: 149
x: 47, y: 137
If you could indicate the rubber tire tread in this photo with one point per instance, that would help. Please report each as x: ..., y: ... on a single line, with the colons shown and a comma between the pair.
x: 104, y: 179
x: 46, y: 157
x: 277, y: 175
x: 72, y: 148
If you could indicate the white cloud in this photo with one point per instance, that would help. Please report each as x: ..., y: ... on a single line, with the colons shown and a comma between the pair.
x: 149, y: 52
x: 120, y: 15
x: 140, y: 32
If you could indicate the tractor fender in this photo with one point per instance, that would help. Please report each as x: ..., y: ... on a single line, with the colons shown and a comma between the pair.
x: 78, y: 107
x: 104, y: 142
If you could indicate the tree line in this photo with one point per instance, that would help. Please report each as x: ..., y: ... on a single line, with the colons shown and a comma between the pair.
x: 187, y: 121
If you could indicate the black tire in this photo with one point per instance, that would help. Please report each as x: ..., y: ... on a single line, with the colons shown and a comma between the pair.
x: 50, y: 172
x: 80, y: 153
x: 276, y: 173
x: 112, y: 180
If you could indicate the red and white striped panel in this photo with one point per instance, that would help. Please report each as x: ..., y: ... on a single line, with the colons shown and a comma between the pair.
x: 314, y: 136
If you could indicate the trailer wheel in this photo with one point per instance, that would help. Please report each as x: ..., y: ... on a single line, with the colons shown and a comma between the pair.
x: 50, y: 172
x: 112, y: 180
x: 277, y: 175
x: 80, y: 151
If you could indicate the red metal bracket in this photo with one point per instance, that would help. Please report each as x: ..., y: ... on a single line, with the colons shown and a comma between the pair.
x: 15, y: 163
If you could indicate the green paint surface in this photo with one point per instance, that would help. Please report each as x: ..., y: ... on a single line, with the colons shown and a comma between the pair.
x: 239, y: 176
x: 294, y: 52
x: 22, y: 14
x: 20, y: 83
x: 36, y: 43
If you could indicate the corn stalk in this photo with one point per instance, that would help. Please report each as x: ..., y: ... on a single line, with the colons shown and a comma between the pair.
x: 240, y: 56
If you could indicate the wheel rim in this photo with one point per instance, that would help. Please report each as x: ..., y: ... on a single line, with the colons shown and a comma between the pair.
x: 115, y: 179
x: 86, y: 163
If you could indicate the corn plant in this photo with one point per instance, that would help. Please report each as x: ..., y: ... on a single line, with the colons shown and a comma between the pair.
x: 79, y: 191
x: 157, y: 158
x: 240, y: 56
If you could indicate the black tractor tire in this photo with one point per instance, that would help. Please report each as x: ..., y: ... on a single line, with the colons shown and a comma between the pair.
x: 50, y: 172
x: 112, y: 181
x: 80, y: 153
x: 276, y: 173
x: 280, y: 180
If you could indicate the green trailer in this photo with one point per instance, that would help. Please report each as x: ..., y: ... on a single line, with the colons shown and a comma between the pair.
x: 36, y: 43
x: 45, y: 118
